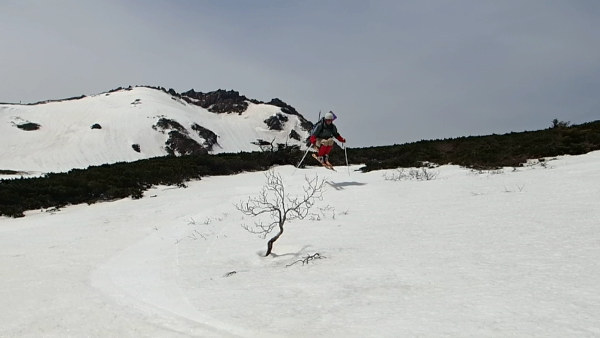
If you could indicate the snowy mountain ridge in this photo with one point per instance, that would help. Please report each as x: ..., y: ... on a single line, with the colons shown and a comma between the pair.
x: 140, y: 122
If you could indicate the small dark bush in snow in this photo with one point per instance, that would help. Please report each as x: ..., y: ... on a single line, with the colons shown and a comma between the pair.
x: 28, y: 126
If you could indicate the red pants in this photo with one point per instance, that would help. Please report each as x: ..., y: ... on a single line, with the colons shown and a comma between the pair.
x: 324, y: 150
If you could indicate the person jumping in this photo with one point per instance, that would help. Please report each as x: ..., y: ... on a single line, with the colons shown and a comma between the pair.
x: 322, y: 137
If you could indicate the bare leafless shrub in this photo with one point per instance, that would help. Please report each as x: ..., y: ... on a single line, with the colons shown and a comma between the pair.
x: 421, y: 174
x: 324, y: 212
x: 498, y: 171
x: 424, y: 174
x: 278, y: 206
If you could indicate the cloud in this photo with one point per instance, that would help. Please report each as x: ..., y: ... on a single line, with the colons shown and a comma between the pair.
x: 393, y: 71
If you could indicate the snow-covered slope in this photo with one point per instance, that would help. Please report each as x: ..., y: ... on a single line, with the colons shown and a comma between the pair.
x: 508, y: 253
x: 128, y: 125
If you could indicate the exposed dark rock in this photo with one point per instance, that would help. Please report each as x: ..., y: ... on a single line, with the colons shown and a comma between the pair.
x: 136, y: 147
x: 220, y: 101
x: 230, y: 101
x: 287, y: 109
x: 294, y: 135
x: 96, y: 126
x: 179, y: 141
x: 181, y: 144
x: 165, y: 123
x: 115, y: 90
x: 210, y: 138
x: 276, y: 121
x: 67, y: 99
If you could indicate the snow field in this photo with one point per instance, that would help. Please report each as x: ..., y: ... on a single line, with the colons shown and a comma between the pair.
x: 494, y: 254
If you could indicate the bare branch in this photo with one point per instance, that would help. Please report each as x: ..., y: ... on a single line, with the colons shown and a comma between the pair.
x: 307, y: 259
x: 273, y: 201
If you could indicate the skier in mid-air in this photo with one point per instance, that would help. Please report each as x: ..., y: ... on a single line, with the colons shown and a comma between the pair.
x: 322, y: 138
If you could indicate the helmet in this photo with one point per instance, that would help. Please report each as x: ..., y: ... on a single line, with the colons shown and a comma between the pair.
x: 329, y: 116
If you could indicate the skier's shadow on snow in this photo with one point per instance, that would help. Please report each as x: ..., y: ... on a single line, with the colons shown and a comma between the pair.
x: 343, y: 185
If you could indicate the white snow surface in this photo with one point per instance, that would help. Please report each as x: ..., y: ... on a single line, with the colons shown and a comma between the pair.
x: 66, y: 140
x: 508, y: 253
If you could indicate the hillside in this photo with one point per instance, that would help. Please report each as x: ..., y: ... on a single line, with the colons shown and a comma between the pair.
x: 120, y: 143
x: 120, y: 180
x: 129, y: 124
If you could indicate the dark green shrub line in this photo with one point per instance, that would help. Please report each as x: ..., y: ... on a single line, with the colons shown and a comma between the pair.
x: 120, y: 180
x: 481, y: 152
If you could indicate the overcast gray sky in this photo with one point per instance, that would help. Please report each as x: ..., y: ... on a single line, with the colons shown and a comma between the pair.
x: 393, y: 71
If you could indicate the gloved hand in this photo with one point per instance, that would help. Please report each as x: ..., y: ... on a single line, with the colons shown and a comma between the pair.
x: 313, y: 139
x: 341, y: 139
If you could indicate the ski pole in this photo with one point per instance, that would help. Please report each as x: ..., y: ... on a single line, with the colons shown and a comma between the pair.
x: 346, y: 155
x: 305, y: 153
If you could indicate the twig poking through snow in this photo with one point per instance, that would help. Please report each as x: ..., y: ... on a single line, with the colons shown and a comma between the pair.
x: 229, y: 274
x: 307, y: 259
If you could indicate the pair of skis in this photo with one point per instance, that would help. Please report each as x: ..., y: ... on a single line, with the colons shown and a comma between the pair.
x: 326, y: 165
x: 323, y: 163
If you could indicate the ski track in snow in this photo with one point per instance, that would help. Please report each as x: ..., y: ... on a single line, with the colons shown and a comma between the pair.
x: 157, y: 296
